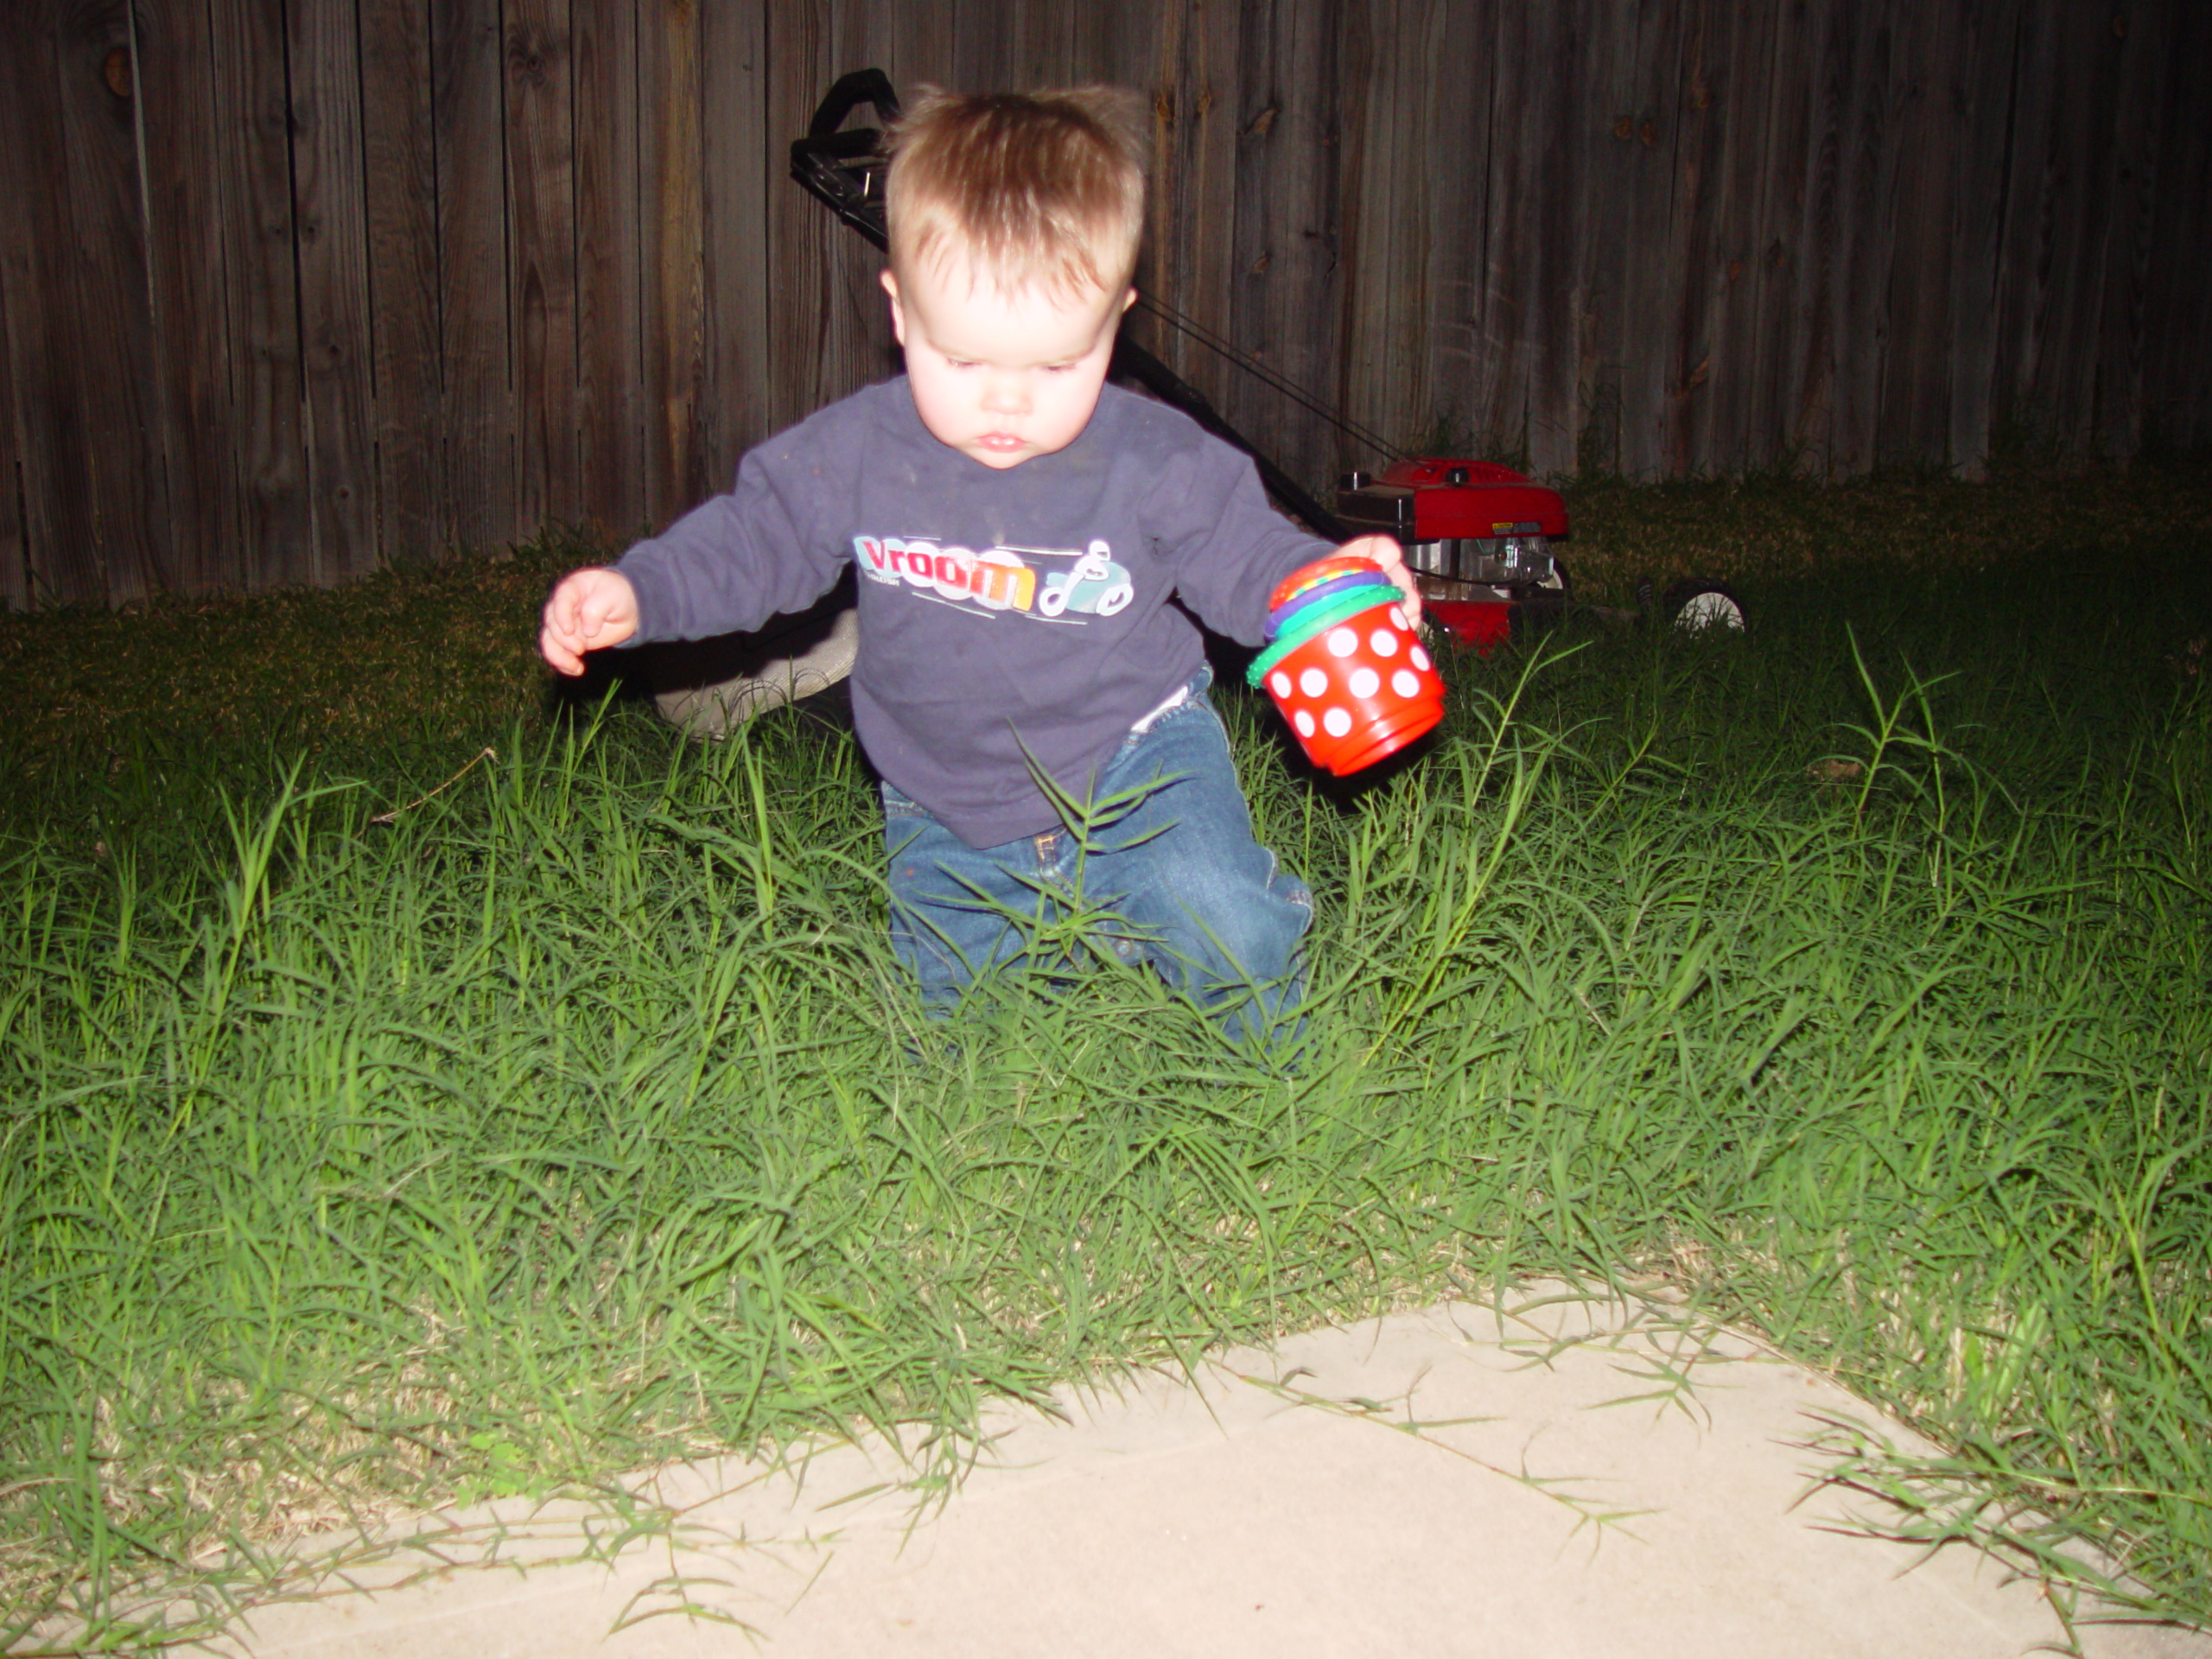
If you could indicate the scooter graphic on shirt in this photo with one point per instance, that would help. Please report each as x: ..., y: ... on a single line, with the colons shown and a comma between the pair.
x: 1096, y: 587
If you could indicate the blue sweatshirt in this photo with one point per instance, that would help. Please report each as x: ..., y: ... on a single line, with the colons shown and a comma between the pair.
x: 1000, y: 611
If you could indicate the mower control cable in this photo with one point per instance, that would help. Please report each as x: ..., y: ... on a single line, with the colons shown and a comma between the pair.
x: 844, y: 171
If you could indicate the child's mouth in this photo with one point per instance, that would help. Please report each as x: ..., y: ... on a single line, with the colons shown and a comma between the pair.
x: 1002, y: 443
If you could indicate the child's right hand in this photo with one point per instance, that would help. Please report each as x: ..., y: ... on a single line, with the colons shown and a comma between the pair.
x: 588, y: 610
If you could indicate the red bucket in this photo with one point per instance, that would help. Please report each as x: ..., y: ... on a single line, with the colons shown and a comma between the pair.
x: 1362, y: 688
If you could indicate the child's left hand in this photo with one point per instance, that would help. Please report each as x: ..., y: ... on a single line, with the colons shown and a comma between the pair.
x: 1386, y: 552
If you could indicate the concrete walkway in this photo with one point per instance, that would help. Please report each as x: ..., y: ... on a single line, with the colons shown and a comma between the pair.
x: 1570, y: 1480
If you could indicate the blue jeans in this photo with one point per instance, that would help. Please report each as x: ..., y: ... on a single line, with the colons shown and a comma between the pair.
x: 1176, y: 881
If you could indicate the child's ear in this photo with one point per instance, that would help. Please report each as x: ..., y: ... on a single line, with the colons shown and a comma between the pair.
x: 1128, y: 299
x: 898, y: 310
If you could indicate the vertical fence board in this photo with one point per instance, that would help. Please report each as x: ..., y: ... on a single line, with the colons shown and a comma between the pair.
x: 1983, y: 203
x: 15, y: 551
x: 174, y: 72
x: 1815, y: 328
x: 414, y: 512
x: 983, y: 45
x: 2175, y: 305
x: 744, y: 163
x: 1774, y: 272
x: 1738, y: 83
x: 1649, y: 294
x: 1914, y: 416
x: 469, y: 124
x: 542, y: 259
x: 1506, y: 279
x: 1285, y: 300
x: 1865, y: 230
x: 856, y: 346
x: 1192, y: 243
x: 2079, y: 169
x: 1608, y: 97
x: 1699, y: 240
x: 253, y: 102
x: 52, y: 441
x: 286, y: 290
x: 2132, y: 229
x: 800, y: 233
x: 113, y: 349
x: 1565, y: 138
x: 2023, y: 268
x: 1388, y: 302
x: 2190, y: 341
x: 671, y: 222
x: 609, y: 352
x: 333, y: 261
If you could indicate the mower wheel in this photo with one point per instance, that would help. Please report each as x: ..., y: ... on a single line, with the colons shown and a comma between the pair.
x: 1694, y: 607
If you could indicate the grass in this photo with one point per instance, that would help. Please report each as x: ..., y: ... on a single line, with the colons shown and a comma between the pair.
x: 1849, y: 978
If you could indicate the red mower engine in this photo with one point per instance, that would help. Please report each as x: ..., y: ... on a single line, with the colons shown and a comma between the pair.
x: 1479, y: 536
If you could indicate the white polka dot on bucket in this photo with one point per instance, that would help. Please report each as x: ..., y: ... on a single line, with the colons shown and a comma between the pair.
x: 1314, y: 682
x: 1342, y: 642
x: 1383, y: 643
x: 1304, y: 722
x: 1364, y: 683
x: 1406, y: 683
x: 1398, y: 619
x: 1280, y: 681
x: 1419, y: 658
x: 1336, y: 722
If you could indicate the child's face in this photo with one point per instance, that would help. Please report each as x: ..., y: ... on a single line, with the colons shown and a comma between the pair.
x: 1002, y: 378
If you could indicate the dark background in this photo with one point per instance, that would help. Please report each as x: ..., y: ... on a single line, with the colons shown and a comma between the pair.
x: 295, y: 287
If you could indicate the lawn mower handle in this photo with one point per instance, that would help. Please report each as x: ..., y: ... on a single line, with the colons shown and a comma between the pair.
x: 843, y: 170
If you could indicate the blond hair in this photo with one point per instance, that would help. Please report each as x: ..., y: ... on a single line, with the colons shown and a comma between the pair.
x: 1042, y: 189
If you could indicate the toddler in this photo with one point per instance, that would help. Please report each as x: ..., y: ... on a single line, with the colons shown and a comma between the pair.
x: 1028, y: 540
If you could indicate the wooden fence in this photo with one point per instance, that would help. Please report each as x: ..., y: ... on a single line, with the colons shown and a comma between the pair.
x: 292, y: 287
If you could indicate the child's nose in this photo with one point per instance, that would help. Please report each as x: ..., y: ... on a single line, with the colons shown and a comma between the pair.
x: 1006, y: 394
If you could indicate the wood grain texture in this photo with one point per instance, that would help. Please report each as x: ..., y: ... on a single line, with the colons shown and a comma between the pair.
x: 112, y: 348
x: 1506, y: 278
x: 1865, y: 233
x: 1914, y: 415
x: 2132, y: 228
x: 174, y: 72
x: 415, y: 517
x: 2177, y: 302
x: 1736, y: 77
x: 1648, y: 295
x: 252, y: 100
x: 610, y: 423
x: 1193, y: 240
x: 1699, y: 257
x: 52, y: 442
x: 1607, y: 96
x: 330, y: 229
x: 289, y: 290
x: 2027, y: 249
x: 800, y: 232
x: 742, y: 165
x: 468, y: 129
x: 1285, y: 299
x: 1990, y: 31
x: 540, y: 62
x: 15, y: 551
x: 2079, y: 173
x: 671, y: 250
x: 1562, y: 135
